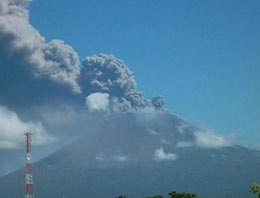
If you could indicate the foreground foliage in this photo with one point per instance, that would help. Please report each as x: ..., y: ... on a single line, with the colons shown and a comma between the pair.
x: 172, y: 194
x: 255, y: 188
x: 175, y: 194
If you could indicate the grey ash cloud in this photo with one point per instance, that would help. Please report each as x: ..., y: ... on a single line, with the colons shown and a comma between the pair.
x: 158, y: 102
x: 107, y: 74
x: 35, y: 71
x: 36, y: 74
x: 27, y: 62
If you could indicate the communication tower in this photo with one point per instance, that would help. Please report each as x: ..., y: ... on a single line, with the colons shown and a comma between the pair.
x: 28, y: 168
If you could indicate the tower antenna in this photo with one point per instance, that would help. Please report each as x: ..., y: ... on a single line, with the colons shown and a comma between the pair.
x: 28, y: 169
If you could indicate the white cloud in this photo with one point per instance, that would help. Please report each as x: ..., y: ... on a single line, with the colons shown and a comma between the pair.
x: 182, y: 128
x: 164, y: 141
x: 120, y: 158
x: 183, y: 144
x: 160, y: 155
x: 8, y: 144
x: 207, y: 138
x: 204, y: 137
x: 100, y: 157
x: 97, y: 101
x: 12, y: 129
x: 152, y: 132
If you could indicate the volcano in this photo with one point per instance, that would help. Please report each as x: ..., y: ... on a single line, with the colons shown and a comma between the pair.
x: 140, y: 155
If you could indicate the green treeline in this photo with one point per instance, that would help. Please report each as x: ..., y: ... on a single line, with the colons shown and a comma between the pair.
x: 254, y: 188
x: 172, y: 194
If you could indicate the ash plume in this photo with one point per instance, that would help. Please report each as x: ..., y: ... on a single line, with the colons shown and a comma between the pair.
x: 158, y: 102
x: 41, y: 70
x: 30, y: 66
x: 44, y: 88
x: 108, y: 74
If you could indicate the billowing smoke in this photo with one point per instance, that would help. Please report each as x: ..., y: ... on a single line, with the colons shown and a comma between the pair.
x: 158, y: 102
x: 33, y: 73
x: 32, y: 68
x: 41, y: 70
x: 43, y: 89
x: 108, y: 74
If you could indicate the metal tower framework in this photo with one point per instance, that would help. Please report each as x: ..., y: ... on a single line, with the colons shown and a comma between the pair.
x: 28, y: 169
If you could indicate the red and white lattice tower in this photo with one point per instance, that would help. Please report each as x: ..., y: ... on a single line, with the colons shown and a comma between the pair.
x: 28, y: 169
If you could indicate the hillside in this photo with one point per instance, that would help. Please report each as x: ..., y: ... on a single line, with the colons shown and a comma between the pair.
x: 126, y: 156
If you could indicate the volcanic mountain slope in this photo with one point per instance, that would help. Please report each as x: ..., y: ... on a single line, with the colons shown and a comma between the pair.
x: 10, y: 161
x: 128, y: 155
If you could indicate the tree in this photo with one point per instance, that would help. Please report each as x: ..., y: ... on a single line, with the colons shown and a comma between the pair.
x: 121, y: 196
x: 175, y: 194
x: 255, y: 188
x: 156, y: 196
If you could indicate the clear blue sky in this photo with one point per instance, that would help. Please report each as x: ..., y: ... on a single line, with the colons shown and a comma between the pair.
x: 203, y: 56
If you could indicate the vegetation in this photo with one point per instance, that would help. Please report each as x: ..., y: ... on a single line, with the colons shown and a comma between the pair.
x: 175, y: 194
x: 172, y: 194
x: 255, y: 188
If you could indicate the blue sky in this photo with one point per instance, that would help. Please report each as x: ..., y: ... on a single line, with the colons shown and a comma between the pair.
x: 202, y: 56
